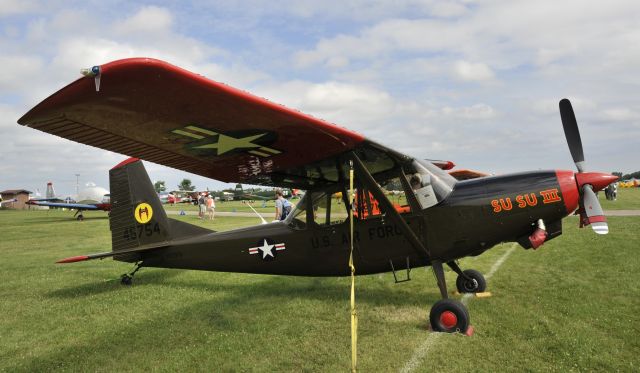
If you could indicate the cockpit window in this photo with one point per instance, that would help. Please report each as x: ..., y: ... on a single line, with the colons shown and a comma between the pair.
x: 319, y: 208
x: 428, y: 183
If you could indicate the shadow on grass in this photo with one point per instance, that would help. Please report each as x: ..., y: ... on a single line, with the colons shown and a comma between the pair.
x: 280, y: 288
x: 235, y: 313
x: 104, y: 286
x: 70, y: 218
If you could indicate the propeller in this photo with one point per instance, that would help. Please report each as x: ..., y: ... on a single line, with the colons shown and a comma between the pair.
x: 588, y: 182
x: 572, y: 133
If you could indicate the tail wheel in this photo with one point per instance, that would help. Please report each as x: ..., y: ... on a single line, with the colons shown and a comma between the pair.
x: 449, y: 316
x: 475, y: 283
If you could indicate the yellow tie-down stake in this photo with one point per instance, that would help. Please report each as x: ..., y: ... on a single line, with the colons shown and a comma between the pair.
x: 484, y: 294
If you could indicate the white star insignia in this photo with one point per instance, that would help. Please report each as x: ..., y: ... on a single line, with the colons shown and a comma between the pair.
x: 266, y: 249
x: 227, y: 143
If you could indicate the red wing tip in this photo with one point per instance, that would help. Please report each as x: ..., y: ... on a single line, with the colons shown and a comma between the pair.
x: 125, y: 162
x: 449, y: 165
x: 73, y: 259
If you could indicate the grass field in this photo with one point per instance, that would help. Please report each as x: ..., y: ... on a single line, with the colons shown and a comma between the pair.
x: 628, y: 199
x: 571, y: 306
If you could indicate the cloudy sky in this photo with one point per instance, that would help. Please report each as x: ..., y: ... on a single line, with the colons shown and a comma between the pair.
x: 475, y: 82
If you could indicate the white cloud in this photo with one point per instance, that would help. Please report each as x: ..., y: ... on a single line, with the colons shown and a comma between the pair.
x: 468, y: 71
x: 151, y: 20
x: 13, y: 7
x: 620, y: 115
x: 18, y: 69
x: 460, y: 80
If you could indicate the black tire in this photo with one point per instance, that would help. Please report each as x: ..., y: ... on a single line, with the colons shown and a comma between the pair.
x: 126, y: 280
x: 449, y: 316
x: 80, y: 217
x: 477, y: 285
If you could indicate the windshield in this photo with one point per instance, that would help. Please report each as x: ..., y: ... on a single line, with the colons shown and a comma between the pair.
x: 429, y: 183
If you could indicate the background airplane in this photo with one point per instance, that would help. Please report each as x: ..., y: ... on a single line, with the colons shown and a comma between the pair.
x: 91, y: 198
x: 7, y: 201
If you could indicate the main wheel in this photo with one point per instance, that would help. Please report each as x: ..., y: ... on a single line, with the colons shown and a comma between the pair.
x: 80, y: 217
x: 450, y: 316
x: 477, y: 284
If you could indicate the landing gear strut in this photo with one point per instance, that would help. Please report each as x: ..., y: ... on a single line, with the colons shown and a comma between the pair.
x: 447, y: 315
x: 127, y: 278
x: 469, y: 280
x: 79, y: 215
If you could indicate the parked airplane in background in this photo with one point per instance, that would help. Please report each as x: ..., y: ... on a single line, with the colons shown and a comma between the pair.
x: 8, y: 201
x: 240, y: 194
x: 89, y: 199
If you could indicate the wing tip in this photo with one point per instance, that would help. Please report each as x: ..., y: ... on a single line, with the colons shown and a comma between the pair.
x: 73, y: 259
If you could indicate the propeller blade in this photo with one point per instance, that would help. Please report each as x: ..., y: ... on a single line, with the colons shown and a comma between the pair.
x: 593, y: 210
x: 572, y: 133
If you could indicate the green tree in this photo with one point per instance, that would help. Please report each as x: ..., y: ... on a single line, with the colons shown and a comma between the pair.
x: 185, y: 185
x: 159, y: 186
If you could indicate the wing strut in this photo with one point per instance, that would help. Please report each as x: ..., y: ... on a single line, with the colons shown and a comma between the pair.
x: 388, y: 208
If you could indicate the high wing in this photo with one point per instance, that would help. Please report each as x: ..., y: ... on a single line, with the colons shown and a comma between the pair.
x: 158, y: 112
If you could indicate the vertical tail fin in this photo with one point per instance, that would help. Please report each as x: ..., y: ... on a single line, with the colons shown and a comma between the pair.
x: 50, y: 192
x: 137, y: 217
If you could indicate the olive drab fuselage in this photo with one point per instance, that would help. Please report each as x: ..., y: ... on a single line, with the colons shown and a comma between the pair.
x: 476, y: 216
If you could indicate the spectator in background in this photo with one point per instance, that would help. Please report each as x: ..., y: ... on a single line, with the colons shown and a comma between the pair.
x: 283, y: 207
x: 202, y: 207
x: 211, y: 207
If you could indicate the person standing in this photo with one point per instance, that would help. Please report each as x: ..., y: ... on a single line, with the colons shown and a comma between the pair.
x: 211, y: 206
x: 201, y: 206
x: 283, y: 207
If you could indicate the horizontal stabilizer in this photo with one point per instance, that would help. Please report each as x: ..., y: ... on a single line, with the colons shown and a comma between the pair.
x: 139, y: 249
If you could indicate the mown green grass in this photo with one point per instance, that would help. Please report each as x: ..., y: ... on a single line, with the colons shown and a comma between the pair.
x: 572, y: 305
x: 628, y: 199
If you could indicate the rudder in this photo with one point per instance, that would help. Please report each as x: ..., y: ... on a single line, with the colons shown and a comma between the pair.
x: 137, y: 217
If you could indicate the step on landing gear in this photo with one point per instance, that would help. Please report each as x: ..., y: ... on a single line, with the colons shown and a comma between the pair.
x: 448, y: 315
x: 127, y: 278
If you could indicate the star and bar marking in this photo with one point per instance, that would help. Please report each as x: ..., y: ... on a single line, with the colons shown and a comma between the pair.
x: 225, y: 143
x: 267, y: 250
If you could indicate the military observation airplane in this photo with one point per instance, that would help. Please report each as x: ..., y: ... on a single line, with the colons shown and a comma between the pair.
x: 151, y: 110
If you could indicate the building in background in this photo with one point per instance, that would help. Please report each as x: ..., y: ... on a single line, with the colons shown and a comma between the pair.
x: 20, y: 195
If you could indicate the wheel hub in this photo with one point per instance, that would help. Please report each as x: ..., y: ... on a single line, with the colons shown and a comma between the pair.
x: 471, y: 285
x: 448, y: 319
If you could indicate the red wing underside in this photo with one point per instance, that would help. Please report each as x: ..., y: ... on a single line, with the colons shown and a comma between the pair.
x: 155, y: 111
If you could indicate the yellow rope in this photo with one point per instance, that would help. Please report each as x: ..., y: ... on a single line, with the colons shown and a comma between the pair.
x: 354, y: 316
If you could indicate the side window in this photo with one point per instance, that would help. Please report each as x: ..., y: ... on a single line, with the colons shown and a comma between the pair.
x: 328, y: 209
x: 366, y: 205
x: 394, y: 191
